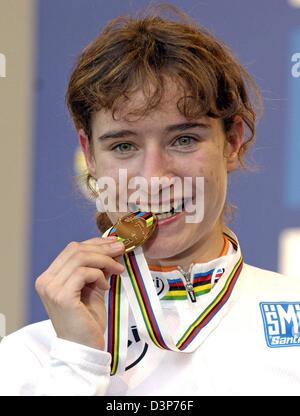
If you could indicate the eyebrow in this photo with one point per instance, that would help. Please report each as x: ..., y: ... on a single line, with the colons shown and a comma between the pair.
x: 117, y: 134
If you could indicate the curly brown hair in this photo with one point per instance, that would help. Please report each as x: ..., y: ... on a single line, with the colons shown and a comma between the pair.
x: 133, y: 52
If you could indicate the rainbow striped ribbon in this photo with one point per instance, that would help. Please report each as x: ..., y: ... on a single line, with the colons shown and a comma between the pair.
x: 141, y: 295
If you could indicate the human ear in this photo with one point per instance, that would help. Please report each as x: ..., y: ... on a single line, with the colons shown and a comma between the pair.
x: 233, y: 143
x: 86, y: 148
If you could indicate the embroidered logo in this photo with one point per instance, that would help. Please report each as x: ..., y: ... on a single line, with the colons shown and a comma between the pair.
x: 136, y: 348
x: 159, y: 285
x: 281, y: 323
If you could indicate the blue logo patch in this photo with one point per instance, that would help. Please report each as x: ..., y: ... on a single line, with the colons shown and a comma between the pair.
x: 281, y: 323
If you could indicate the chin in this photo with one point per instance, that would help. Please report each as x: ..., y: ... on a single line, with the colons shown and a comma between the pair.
x: 163, y: 248
x: 157, y: 252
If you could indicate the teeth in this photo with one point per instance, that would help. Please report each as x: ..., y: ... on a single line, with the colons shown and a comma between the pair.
x: 175, y: 206
x: 179, y: 204
x: 163, y: 216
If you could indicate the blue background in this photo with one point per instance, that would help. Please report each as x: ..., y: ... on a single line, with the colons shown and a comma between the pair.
x: 262, y: 33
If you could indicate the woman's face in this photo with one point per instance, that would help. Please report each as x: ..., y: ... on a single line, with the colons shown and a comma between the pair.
x: 151, y: 147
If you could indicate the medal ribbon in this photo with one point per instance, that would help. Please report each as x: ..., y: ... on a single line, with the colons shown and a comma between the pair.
x: 135, y: 287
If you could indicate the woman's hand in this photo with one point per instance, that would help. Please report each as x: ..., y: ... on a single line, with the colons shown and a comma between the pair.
x: 72, y: 289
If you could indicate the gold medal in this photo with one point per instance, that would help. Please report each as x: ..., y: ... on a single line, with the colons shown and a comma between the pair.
x: 134, y: 229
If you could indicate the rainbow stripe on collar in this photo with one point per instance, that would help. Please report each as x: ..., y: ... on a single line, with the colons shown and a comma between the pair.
x: 202, y: 284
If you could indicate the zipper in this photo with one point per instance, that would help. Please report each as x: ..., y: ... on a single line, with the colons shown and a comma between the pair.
x: 188, y: 284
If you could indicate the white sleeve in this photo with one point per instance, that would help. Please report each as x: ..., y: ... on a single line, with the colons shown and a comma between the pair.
x: 70, y: 369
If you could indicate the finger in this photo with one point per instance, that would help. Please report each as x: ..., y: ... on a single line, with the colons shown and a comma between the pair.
x: 100, y: 240
x: 88, y: 259
x: 71, y: 249
x: 69, y: 294
x: 84, y: 277
x: 104, y: 248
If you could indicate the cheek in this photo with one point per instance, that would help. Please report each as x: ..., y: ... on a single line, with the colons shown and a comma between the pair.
x: 218, y: 180
x: 104, y: 168
x: 207, y: 164
x: 107, y: 165
x: 211, y: 166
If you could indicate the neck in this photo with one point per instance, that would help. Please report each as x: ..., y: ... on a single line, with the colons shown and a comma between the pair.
x: 208, y: 248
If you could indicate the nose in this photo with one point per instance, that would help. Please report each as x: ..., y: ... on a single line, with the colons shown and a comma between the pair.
x: 156, y: 163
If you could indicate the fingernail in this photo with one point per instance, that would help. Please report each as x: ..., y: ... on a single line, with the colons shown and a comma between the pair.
x: 117, y: 246
x: 111, y: 237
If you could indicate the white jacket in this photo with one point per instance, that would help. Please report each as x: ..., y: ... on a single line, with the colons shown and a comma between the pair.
x: 235, y: 359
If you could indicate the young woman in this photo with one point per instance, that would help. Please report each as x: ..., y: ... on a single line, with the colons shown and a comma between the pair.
x: 160, y: 98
